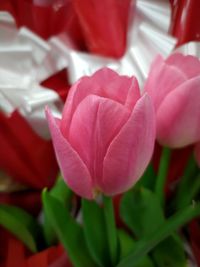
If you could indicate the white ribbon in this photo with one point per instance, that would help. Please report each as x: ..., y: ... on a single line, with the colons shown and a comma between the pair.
x: 147, y: 36
x: 191, y: 48
x: 24, y: 63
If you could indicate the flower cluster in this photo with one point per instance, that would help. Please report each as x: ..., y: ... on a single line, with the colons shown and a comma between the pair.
x: 105, y: 138
x: 129, y: 189
x: 104, y: 143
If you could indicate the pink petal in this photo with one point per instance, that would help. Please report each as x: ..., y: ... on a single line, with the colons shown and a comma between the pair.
x: 73, y: 169
x: 81, y: 89
x: 122, y: 89
x: 189, y: 65
x: 105, y: 83
x: 178, y: 118
x: 95, y: 123
x: 133, y: 94
x: 131, y: 150
x: 162, y: 79
x: 197, y: 152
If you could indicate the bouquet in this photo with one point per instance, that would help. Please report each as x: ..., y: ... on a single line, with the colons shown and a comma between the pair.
x: 128, y: 153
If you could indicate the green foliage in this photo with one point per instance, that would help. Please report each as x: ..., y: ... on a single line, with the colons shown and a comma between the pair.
x: 95, y: 232
x: 21, y: 224
x: 70, y: 233
x: 141, y: 211
x: 61, y: 192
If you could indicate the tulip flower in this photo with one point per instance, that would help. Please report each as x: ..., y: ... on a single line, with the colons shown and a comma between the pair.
x: 174, y: 85
x: 105, y: 138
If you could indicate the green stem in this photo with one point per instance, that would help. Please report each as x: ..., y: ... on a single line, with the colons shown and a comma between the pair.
x: 195, y: 189
x: 162, y: 173
x: 172, y: 224
x: 184, y: 192
x: 111, y: 229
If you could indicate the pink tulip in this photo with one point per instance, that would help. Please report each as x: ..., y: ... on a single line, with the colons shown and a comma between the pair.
x: 174, y: 85
x: 105, y: 138
x: 197, y: 153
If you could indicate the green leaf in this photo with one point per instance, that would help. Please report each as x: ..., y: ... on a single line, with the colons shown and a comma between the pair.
x: 95, y: 229
x: 20, y: 224
x: 111, y: 230
x: 173, y: 257
x: 188, y: 186
x: 127, y: 244
x: 61, y: 192
x: 162, y: 174
x: 148, y: 178
x: 145, y: 245
x: 70, y: 233
x: 141, y: 211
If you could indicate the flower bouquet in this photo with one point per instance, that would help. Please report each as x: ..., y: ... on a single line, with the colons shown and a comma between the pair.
x: 129, y: 157
x: 104, y: 143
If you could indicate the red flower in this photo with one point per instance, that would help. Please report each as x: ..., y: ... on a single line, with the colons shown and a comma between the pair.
x: 45, y: 20
x: 83, y: 21
x: 185, y: 21
x: 104, y: 25
x: 25, y: 156
x: 14, y: 254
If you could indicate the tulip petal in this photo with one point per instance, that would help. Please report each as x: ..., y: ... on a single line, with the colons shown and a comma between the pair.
x: 178, y: 118
x: 189, y: 65
x: 81, y: 89
x: 133, y: 94
x: 130, y: 152
x: 95, y: 123
x: 122, y: 89
x: 105, y: 83
x: 162, y: 79
x: 74, y: 171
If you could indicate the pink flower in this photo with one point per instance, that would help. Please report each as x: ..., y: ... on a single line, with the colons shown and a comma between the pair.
x: 174, y: 85
x: 106, y: 136
x: 197, y: 153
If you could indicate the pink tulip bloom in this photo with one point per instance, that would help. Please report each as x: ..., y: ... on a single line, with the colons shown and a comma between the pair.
x: 174, y: 85
x: 197, y: 153
x: 105, y: 138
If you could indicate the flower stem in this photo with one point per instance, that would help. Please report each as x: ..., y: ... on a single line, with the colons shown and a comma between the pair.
x: 162, y: 173
x: 111, y: 229
x: 144, y: 246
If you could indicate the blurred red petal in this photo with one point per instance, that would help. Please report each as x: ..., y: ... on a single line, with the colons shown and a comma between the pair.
x: 6, y: 6
x: 15, y: 254
x: 46, y: 21
x: 185, y: 20
x: 58, y: 83
x: 104, y: 24
x: 24, y: 155
x: 28, y: 200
